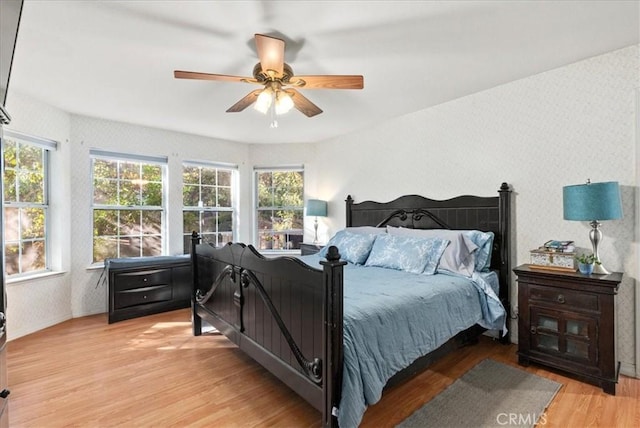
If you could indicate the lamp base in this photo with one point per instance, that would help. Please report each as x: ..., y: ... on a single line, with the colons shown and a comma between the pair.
x: 315, y: 227
x: 598, y: 269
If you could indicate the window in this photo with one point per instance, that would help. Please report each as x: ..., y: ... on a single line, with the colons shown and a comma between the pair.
x: 26, y: 202
x: 128, y: 205
x: 208, y: 199
x: 279, y: 207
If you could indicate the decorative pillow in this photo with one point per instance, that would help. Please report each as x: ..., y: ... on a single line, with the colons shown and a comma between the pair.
x: 482, y: 240
x: 458, y: 257
x: 415, y: 255
x: 353, y: 247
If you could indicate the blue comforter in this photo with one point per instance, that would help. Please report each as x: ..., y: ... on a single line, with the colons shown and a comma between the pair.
x: 393, y: 317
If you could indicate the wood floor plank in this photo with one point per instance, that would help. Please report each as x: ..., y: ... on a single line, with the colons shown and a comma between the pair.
x: 151, y: 372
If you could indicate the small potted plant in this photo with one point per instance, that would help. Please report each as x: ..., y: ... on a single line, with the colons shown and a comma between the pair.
x: 586, y: 262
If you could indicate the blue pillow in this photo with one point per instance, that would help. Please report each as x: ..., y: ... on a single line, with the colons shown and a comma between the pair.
x: 353, y: 247
x: 484, y: 241
x: 415, y: 255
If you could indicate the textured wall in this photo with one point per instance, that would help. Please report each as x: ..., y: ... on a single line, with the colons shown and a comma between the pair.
x: 539, y: 134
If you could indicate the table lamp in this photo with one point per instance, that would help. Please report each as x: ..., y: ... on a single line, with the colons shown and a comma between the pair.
x: 317, y: 208
x: 593, y: 202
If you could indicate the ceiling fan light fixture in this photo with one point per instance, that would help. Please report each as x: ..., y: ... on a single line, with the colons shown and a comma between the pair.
x: 284, y: 103
x: 264, y: 101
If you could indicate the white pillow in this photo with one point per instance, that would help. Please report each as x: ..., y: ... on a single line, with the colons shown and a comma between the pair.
x: 368, y: 230
x: 458, y: 257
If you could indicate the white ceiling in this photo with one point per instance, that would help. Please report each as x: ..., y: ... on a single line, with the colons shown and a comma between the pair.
x: 115, y: 59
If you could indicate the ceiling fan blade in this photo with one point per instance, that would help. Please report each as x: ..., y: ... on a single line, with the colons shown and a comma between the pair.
x: 271, y: 54
x: 308, y: 108
x: 245, y: 102
x: 179, y: 74
x: 328, y: 82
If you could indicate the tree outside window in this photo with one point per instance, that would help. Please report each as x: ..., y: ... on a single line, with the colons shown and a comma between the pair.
x: 128, y: 208
x: 208, y: 204
x: 280, y: 205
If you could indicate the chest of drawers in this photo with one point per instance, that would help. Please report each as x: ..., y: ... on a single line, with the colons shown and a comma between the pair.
x: 567, y: 321
x: 147, y: 285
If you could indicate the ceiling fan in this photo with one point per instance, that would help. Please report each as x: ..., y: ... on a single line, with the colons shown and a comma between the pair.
x: 279, y: 94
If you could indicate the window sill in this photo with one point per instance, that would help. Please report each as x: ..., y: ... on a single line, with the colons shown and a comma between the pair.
x: 34, y: 277
x: 279, y: 253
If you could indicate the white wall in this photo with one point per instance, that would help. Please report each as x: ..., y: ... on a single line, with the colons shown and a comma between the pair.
x: 539, y: 134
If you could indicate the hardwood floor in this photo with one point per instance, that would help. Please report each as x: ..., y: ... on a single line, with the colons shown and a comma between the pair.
x: 152, y: 372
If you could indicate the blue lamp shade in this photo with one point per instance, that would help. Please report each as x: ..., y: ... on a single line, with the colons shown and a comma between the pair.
x: 317, y: 208
x: 592, y: 201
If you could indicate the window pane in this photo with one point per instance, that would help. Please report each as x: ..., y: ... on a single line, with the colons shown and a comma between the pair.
x: 105, y: 192
x: 105, y: 168
x: 151, y: 245
x: 129, y: 246
x: 33, y: 256
x: 32, y: 223
x: 105, y: 222
x: 10, y: 185
x: 208, y: 222
x: 208, y: 196
x: 11, y: 224
x: 152, y: 222
x: 264, y: 220
x: 30, y: 157
x: 105, y: 248
x: 12, y: 258
x: 224, y: 221
x: 190, y: 195
x: 190, y: 221
x: 191, y: 175
x: 129, y: 222
x: 224, y: 197
x: 152, y: 194
x: 208, y: 176
x: 224, y: 178
x: 10, y: 159
x: 130, y: 171
x: 31, y: 187
x: 152, y: 173
x: 129, y: 193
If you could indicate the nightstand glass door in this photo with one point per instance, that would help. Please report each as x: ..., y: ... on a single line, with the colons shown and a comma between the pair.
x: 563, y: 333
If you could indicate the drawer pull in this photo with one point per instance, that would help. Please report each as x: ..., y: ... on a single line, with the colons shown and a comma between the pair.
x: 561, y: 298
x: 4, y: 393
x: 534, y: 330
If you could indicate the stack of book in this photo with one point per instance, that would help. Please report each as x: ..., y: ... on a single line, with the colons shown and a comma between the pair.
x: 554, y: 255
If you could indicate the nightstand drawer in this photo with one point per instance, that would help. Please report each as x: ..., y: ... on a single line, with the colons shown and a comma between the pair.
x: 563, y: 297
x: 143, y: 295
x: 146, y: 278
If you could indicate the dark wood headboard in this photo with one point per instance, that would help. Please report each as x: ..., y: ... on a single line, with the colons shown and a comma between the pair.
x: 489, y: 214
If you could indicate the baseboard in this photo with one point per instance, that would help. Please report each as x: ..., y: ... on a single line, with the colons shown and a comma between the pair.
x: 628, y: 369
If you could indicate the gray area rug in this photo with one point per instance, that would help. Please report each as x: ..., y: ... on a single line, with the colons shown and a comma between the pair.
x: 491, y: 394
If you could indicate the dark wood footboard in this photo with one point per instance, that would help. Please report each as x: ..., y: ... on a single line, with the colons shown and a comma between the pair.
x: 284, y: 314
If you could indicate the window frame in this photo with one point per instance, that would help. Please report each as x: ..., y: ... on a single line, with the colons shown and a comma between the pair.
x: 47, y: 147
x: 233, y: 209
x: 256, y: 209
x: 161, y: 161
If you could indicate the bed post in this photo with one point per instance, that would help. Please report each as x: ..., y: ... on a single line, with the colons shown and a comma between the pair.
x: 332, y: 336
x: 349, y: 202
x: 504, y: 208
x: 196, y: 322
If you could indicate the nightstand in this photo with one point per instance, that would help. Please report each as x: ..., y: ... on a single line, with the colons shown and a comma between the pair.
x: 567, y: 322
x: 307, y: 249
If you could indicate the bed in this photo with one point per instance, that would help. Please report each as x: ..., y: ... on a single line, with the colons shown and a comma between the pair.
x: 296, y: 315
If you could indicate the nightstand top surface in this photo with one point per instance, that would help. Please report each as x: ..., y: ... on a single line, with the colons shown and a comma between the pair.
x: 612, y: 277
